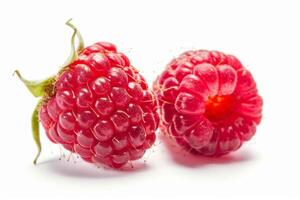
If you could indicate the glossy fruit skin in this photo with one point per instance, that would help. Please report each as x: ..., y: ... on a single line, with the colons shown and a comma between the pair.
x: 208, y: 102
x: 101, y: 108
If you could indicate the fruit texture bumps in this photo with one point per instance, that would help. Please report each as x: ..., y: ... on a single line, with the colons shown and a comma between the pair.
x: 208, y: 101
x: 100, y: 107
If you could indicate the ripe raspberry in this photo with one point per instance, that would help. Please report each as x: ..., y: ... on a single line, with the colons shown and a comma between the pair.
x: 208, y: 102
x: 97, y: 106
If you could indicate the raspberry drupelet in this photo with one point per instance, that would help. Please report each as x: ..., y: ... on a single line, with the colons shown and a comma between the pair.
x: 97, y: 106
x: 208, y: 101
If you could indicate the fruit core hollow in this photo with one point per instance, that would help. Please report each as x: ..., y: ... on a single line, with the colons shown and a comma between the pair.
x: 218, y: 108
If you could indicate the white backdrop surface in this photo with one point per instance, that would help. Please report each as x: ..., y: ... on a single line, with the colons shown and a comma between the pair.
x: 264, y: 35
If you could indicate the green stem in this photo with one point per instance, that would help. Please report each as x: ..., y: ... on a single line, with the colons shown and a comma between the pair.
x: 36, y: 130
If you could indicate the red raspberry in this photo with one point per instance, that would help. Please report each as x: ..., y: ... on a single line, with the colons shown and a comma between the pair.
x: 208, y: 102
x: 98, y: 106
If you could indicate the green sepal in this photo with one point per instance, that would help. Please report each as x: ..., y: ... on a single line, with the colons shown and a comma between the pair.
x: 79, y: 36
x: 74, y: 51
x: 36, y: 130
x: 36, y: 88
x: 45, y: 87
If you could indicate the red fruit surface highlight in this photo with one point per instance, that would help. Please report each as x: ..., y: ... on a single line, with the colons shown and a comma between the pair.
x: 208, y: 102
x: 97, y: 106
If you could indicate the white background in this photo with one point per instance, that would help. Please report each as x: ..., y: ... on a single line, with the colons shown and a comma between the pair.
x: 264, y: 35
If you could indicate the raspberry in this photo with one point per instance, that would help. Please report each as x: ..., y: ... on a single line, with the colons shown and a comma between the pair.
x: 97, y: 106
x: 208, y: 102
